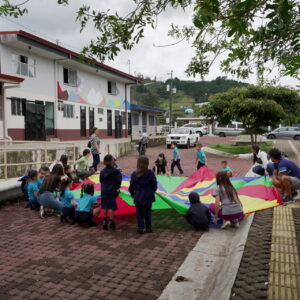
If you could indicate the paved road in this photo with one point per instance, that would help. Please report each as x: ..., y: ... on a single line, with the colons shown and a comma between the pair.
x: 240, y: 167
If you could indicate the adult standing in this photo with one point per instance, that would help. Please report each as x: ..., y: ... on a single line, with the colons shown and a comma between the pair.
x: 95, y: 147
x: 286, y: 174
x: 259, y: 157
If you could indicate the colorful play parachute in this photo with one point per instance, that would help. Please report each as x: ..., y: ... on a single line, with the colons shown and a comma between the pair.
x: 255, y: 193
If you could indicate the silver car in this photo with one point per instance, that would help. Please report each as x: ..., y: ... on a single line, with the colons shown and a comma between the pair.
x: 284, y: 133
x: 232, y: 129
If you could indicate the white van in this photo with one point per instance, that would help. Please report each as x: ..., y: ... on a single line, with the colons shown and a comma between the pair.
x: 233, y: 129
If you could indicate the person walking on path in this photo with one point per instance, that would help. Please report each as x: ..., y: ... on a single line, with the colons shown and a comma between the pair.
x: 95, y: 147
x: 259, y: 157
x: 228, y: 206
x: 176, y: 159
x: 286, y: 175
x: 200, y: 156
x: 142, y: 187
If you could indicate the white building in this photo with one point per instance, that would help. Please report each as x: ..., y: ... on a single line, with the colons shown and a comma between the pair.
x: 56, y: 94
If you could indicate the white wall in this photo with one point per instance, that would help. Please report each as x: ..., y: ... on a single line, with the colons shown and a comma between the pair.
x: 90, y: 92
x: 40, y: 86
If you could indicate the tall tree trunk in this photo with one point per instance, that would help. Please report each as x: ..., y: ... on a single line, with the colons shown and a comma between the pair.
x: 251, y: 137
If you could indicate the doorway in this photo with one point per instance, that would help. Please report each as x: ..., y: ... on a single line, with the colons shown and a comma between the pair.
x: 118, y: 126
x: 35, y: 121
x: 49, y: 118
x: 82, y: 121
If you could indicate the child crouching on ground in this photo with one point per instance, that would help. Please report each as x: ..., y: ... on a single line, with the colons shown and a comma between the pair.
x: 87, y: 209
x: 226, y: 168
x: 110, y: 179
x: 198, y: 214
x: 67, y: 198
x: 32, y: 189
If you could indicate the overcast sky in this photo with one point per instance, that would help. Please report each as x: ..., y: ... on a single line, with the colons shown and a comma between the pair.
x: 53, y: 22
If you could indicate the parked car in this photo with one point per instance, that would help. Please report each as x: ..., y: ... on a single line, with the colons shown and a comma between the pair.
x: 285, y: 132
x: 233, y: 129
x: 201, y: 130
x: 183, y: 137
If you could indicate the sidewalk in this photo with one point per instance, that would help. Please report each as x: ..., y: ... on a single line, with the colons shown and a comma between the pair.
x: 270, y: 267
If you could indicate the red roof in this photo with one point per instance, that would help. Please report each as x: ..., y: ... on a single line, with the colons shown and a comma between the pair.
x: 67, y: 51
x: 11, y: 78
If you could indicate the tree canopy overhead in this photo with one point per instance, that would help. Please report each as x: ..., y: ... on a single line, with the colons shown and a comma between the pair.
x: 246, y: 34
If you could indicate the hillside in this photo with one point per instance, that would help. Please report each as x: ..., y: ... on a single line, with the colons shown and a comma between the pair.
x: 153, y: 93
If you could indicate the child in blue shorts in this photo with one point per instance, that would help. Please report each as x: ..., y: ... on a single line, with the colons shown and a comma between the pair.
x: 32, y: 189
x: 67, y: 198
x: 110, y: 179
x: 87, y: 209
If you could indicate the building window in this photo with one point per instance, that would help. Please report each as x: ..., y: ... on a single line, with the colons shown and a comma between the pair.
x: 135, y: 119
x: 70, y: 77
x: 68, y: 111
x: 151, y: 120
x: 112, y: 87
x: 100, y: 111
x: 60, y: 105
x: 117, y: 112
x: 17, y: 107
x: 23, y: 65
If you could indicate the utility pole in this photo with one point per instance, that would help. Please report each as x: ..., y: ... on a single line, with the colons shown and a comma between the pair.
x: 170, y: 101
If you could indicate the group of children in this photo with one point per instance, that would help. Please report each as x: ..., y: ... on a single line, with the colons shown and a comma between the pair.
x: 49, y: 191
x: 161, y: 165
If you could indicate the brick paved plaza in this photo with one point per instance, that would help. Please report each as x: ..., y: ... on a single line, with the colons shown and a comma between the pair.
x: 44, y: 259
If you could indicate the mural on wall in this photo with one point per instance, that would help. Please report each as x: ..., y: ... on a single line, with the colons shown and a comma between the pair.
x: 92, y: 98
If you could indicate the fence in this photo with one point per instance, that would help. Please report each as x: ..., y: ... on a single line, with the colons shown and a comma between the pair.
x: 16, y: 157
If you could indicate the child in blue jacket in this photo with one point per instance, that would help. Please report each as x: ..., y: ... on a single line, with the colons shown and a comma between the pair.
x: 32, y: 189
x: 87, y: 209
x: 110, y: 179
x: 142, y: 187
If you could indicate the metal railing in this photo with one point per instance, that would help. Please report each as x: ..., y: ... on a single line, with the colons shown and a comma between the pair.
x: 8, y: 146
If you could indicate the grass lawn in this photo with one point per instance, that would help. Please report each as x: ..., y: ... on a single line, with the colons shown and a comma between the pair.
x: 232, y: 149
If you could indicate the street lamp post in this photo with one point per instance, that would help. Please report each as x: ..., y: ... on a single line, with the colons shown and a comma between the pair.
x: 170, y: 102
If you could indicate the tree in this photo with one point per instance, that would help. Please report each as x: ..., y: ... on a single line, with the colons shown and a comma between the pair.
x: 255, y: 107
x: 251, y: 34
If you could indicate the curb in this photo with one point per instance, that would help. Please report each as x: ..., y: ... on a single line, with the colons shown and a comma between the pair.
x: 211, y: 267
x: 216, y: 152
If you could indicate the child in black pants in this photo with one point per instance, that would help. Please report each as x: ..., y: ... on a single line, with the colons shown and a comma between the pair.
x: 110, y: 179
x: 198, y: 214
x: 142, y: 187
